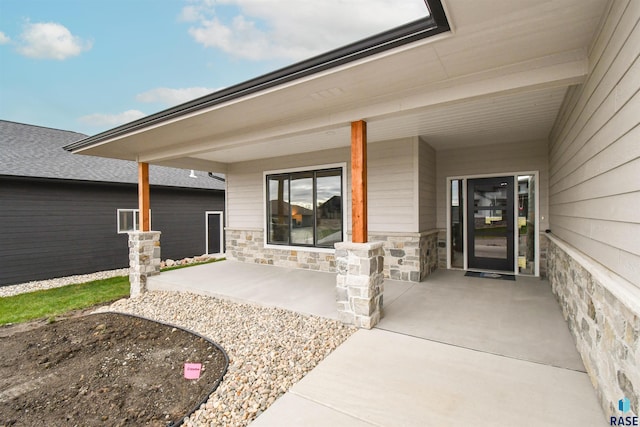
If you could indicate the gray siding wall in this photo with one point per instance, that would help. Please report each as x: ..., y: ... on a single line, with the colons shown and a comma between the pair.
x: 392, y: 176
x: 493, y: 159
x: 427, y: 186
x: 54, y: 228
x: 179, y: 213
x: 245, y: 187
x: 392, y: 185
x: 594, y: 154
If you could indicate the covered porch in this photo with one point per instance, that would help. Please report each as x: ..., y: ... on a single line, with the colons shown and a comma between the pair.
x: 402, y: 143
x: 362, y: 143
x: 450, y: 350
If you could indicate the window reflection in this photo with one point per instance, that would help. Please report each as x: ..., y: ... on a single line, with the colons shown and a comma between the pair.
x: 329, y: 208
x: 278, y: 215
x: 305, y: 208
x: 490, y: 220
x: 302, y: 209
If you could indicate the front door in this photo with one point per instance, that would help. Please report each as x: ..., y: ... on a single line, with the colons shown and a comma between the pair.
x: 215, y: 232
x: 490, y: 223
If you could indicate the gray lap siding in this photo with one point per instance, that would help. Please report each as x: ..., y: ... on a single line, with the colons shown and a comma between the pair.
x: 53, y: 228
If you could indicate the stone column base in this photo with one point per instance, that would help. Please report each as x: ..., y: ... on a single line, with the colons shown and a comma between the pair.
x: 359, y: 283
x: 144, y: 259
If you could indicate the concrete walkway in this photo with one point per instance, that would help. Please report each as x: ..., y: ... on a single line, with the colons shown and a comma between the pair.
x: 450, y: 351
x: 381, y: 378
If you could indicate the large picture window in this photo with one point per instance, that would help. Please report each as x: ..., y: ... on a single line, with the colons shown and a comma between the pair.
x: 305, y: 208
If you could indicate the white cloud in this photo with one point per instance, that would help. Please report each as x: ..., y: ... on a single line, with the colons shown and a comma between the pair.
x: 4, y: 39
x: 49, y: 40
x: 112, y: 119
x: 190, y: 14
x: 293, y: 29
x: 170, y: 97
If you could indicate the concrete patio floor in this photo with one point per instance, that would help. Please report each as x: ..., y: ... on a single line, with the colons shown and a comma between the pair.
x: 302, y: 291
x: 452, y: 350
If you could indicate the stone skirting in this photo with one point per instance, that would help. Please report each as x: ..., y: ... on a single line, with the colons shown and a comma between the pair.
x: 407, y: 256
x: 247, y: 245
x: 359, y: 283
x: 144, y: 259
x: 428, y: 253
x: 603, y: 313
x: 544, y: 245
x: 442, y: 249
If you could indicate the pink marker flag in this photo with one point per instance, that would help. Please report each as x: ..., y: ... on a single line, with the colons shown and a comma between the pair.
x: 192, y: 370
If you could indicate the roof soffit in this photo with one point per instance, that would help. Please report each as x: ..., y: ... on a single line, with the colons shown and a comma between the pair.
x: 532, y: 49
x: 524, y: 78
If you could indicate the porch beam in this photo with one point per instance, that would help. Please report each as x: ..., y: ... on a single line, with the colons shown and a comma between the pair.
x: 187, y: 163
x: 143, y: 196
x: 359, y: 181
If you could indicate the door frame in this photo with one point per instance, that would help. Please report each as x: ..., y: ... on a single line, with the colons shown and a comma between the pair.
x: 206, y: 229
x: 515, y: 175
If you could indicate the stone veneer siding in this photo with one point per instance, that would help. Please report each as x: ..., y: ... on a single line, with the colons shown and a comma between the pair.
x: 144, y: 259
x: 442, y: 249
x: 359, y: 283
x: 247, y: 245
x: 407, y: 256
x: 428, y: 253
x: 606, y: 328
x: 544, y: 245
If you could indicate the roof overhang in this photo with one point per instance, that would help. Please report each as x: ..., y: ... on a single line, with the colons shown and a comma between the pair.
x: 498, y: 75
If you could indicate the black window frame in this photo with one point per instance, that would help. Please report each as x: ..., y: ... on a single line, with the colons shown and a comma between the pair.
x: 289, y: 176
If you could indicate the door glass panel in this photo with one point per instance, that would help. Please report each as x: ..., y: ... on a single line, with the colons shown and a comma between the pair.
x: 302, y: 208
x: 526, y: 224
x: 457, y: 219
x: 490, y: 220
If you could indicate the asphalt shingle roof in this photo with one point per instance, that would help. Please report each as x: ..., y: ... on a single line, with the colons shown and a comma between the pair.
x: 35, y: 151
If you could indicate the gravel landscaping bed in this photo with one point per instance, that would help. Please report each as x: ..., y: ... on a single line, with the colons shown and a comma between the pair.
x: 269, y: 349
x: 37, y: 285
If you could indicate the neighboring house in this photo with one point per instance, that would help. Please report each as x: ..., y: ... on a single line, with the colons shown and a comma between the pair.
x: 62, y: 214
x: 494, y: 135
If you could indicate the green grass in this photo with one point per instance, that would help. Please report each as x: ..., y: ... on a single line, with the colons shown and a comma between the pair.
x: 54, y: 302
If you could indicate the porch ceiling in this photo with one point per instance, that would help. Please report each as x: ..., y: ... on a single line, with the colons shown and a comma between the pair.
x: 499, y: 76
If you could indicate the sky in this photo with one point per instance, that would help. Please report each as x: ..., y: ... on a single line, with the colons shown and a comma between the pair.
x: 90, y: 65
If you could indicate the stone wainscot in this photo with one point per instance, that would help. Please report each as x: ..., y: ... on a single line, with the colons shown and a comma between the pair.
x: 407, y: 256
x: 603, y: 314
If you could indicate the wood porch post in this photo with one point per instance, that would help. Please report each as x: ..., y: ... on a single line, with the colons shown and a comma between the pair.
x: 143, y: 196
x: 359, y: 181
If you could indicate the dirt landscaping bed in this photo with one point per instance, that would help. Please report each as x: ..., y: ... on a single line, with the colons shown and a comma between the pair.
x: 102, y: 369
